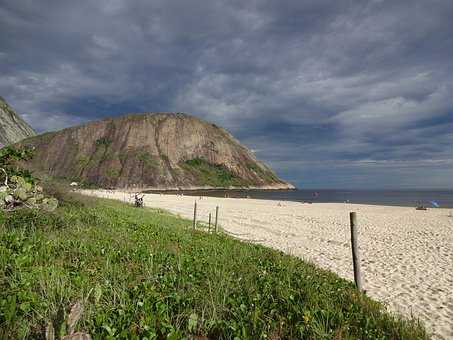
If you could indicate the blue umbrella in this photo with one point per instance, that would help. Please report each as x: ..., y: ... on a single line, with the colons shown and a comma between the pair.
x: 435, y: 204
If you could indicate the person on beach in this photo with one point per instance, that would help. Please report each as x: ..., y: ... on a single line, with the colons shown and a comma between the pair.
x: 139, y: 200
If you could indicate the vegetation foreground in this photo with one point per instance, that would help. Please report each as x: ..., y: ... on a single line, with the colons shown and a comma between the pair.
x: 142, y: 273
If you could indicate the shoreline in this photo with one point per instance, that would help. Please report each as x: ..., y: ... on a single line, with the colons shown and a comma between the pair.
x: 406, y: 255
x: 205, y: 189
x: 260, y: 194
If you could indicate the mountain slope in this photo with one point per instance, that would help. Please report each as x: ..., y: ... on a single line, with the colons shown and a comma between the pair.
x: 12, y: 127
x: 150, y: 151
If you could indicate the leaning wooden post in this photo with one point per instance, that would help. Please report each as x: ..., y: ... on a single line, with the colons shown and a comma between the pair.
x: 194, y: 215
x: 216, y: 217
x: 209, y: 222
x: 355, y: 250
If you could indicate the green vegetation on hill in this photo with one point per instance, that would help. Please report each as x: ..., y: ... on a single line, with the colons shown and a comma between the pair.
x: 215, y: 175
x: 103, y: 141
x: 148, y: 159
x: 267, y: 175
x: 145, y: 273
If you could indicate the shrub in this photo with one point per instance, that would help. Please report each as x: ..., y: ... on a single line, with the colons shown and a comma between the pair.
x: 19, y: 188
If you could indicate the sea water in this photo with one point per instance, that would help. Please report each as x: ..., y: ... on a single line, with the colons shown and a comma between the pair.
x: 444, y: 198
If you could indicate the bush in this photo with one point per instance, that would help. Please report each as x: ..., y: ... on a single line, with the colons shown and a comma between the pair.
x: 20, y: 188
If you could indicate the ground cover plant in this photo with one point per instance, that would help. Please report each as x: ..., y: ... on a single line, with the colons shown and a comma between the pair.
x: 142, y: 273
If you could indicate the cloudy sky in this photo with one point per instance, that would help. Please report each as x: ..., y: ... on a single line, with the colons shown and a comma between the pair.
x: 331, y: 94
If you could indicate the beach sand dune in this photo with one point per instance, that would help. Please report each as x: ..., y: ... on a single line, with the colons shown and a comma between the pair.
x: 406, y: 255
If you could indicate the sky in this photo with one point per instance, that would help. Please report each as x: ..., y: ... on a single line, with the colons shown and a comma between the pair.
x: 330, y: 94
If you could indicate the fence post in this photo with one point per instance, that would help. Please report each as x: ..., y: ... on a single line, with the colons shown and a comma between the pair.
x: 209, y: 223
x: 194, y: 215
x: 355, y: 250
x: 216, y: 217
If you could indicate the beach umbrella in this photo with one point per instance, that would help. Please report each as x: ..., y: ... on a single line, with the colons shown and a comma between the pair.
x: 435, y: 204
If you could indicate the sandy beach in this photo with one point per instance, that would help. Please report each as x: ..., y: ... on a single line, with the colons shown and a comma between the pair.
x: 406, y: 255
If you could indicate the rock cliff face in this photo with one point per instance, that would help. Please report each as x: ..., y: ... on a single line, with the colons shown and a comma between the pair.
x: 150, y: 151
x: 12, y: 127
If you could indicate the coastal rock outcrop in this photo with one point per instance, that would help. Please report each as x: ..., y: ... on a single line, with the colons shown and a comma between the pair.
x: 151, y: 151
x: 12, y: 127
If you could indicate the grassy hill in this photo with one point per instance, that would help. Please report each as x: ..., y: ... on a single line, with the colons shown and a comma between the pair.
x: 144, y: 273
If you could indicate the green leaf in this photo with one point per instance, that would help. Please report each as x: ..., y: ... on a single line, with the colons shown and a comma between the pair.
x: 31, y: 201
x: 49, y: 204
x: 20, y: 181
x: 193, y: 321
x: 97, y: 293
x: 3, y: 194
x: 27, y: 186
x: 21, y: 194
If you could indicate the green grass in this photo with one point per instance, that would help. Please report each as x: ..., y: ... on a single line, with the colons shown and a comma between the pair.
x: 144, y: 273
x: 212, y: 174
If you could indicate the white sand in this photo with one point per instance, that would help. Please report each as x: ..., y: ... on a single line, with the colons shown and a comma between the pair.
x: 406, y: 255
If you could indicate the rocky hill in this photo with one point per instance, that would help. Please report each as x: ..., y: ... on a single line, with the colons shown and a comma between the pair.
x: 150, y: 151
x: 12, y: 127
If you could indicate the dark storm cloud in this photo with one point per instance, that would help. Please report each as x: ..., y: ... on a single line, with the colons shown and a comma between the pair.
x: 330, y: 93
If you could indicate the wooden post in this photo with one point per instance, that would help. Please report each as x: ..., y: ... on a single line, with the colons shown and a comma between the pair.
x: 194, y: 215
x: 355, y: 250
x: 216, y: 217
x: 209, y: 222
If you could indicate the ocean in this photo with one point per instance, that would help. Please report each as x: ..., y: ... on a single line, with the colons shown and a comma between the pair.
x: 411, y: 198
